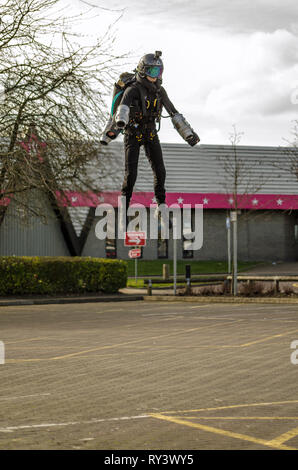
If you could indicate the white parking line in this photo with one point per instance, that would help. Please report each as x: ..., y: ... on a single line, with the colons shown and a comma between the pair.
x: 25, y: 396
x: 69, y: 423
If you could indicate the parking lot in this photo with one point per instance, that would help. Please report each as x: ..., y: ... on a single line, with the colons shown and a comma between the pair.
x: 149, y: 375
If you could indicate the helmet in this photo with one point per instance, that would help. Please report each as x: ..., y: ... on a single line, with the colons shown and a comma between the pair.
x: 151, y: 65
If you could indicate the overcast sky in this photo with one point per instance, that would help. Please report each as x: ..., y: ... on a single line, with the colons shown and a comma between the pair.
x: 226, y: 62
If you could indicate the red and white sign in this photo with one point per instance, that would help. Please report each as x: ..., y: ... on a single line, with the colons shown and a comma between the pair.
x: 135, y: 253
x: 135, y: 239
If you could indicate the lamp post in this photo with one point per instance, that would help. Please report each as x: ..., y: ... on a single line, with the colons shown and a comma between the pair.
x: 234, y: 222
x: 228, y: 226
x: 174, y: 255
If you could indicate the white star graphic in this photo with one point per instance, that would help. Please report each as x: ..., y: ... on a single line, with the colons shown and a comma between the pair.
x: 101, y: 199
x: 205, y: 200
x: 154, y: 200
x: 74, y: 199
x: 279, y: 202
x: 255, y: 201
x: 231, y: 200
x: 180, y: 200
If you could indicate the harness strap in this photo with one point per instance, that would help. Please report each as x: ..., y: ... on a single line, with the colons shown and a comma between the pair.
x: 114, y: 101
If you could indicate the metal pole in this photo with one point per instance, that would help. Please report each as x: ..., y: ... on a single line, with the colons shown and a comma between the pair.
x: 235, y: 261
x: 175, y: 264
x: 174, y: 257
x: 228, y: 225
x: 136, y: 270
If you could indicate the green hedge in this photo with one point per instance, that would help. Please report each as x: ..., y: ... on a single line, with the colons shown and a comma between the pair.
x: 60, y: 275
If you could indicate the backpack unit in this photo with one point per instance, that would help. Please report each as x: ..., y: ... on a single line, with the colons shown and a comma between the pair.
x: 124, y: 81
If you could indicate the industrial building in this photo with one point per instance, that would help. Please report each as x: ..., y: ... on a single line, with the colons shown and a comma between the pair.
x: 211, y: 175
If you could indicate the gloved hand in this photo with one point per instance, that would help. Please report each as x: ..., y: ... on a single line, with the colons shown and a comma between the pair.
x: 193, y: 139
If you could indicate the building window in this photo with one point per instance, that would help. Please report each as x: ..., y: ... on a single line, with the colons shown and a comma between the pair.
x: 111, y: 248
x: 162, y: 245
x: 162, y: 248
x: 187, y: 253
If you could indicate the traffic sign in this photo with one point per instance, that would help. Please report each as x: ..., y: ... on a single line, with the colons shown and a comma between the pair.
x: 135, y: 239
x: 233, y: 216
x: 135, y: 253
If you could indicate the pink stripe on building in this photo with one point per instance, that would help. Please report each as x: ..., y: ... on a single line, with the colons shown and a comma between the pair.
x: 209, y: 200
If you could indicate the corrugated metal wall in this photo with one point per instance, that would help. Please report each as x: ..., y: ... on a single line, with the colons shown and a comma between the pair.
x: 28, y: 236
x: 201, y: 169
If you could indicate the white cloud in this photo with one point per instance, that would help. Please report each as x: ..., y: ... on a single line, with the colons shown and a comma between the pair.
x: 260, y: 77
x: 233, y: 15
x: 239, y: 68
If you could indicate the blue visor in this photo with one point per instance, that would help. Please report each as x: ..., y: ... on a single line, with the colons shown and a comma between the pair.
x: 154, y: 71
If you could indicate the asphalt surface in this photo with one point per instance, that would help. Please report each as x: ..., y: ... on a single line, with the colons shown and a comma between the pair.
x: 149, y: 375
x: 274, y: 269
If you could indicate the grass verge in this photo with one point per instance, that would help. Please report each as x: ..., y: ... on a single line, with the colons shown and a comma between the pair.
x: 154, y: 267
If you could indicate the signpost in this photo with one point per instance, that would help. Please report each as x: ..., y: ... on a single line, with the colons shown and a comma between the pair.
x: 135, y: 253
x: 136, y: 240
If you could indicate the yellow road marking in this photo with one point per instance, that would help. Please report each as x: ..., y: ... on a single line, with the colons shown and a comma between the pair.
x: 285, y: 437
x: 228, y: 407
x: 230, y: 322
x: 241, y: 417
x: 25, y: 340
x: 117, y: 345
x: 267, y: 338
x: 16, y: 361
x: 222, y: 432
x: 100, y: 348
x: 201, y: 306
x: 212, y: 305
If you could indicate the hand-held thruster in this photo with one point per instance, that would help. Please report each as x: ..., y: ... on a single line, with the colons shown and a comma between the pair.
x: 184, y: 129
x: 122, y: 116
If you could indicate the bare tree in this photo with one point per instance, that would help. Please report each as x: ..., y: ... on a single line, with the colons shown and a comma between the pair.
x: 240, y: 181
x: 52, y: 104
x: 291, y: 153
x: 239, y: 177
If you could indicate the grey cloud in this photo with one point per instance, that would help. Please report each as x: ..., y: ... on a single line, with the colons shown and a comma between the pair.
x: 279, y: 105
x: 232, y: 15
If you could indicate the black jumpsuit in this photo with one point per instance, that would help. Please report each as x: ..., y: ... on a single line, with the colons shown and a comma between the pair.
x: 145, y: 101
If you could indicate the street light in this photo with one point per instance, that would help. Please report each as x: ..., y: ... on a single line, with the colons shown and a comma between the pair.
x: 234, y: 223
x: 228, y: 226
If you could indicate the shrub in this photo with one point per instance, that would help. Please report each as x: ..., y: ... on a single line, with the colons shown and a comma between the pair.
x: 252, y: 288
x: 63, y: 275
x: 288, y: 289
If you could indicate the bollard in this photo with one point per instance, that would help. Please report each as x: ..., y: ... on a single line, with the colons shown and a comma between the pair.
x: 165, y: 272
x: 187, y: 271
x: 187, y: 278
x: 276, y: 286
x: 226, y: 286
x: 188, y: 288
x: 149, y: 287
